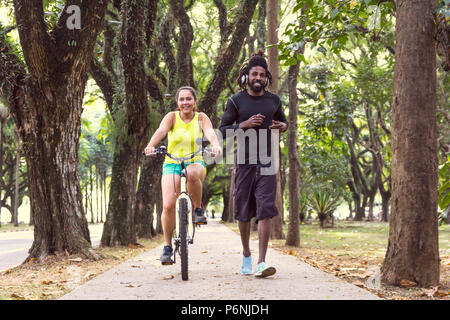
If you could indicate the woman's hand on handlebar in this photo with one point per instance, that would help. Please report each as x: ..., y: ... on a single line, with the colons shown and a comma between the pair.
x: 149, y: 151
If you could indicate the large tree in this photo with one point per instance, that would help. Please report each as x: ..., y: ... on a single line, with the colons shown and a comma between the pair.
x: 413, y: 252
x: 293, y: 235
x: 120, y: 220
x: 272, y: 39
x: 45, y: 95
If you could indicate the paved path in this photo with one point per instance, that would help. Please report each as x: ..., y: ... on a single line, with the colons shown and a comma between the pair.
x: 14, y: 245
x: 215, y: 261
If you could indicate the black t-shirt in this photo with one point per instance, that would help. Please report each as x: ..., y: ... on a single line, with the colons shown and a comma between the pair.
x: 240, y: 107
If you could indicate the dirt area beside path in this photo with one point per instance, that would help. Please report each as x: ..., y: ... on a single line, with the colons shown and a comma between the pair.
x: 58, y: 275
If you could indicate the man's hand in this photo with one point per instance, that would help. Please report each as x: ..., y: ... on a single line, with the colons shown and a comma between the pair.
x: 278, y: 125
x: 216, y: 150
x: 253, y: 121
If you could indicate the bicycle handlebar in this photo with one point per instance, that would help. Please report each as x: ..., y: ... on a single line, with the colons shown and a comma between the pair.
x: 163, y: 150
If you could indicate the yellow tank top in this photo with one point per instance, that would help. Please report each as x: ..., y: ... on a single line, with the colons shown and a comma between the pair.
x: 182, y: 139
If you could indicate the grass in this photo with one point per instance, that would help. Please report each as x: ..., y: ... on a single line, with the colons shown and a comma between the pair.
x: 354, y: 251
x: 8, y: 227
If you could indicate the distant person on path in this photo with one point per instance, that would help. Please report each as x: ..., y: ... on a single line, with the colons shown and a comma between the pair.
x: 254, y: 108
x: 184, y: 128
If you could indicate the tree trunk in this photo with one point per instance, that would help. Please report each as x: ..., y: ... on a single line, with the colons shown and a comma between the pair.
x: 186, y: 35
x: 225, y: 197
x: 260, y: 32
x: 293, y: 235
x: 231, y: 195
x: 413, y: 252
x: 350, y: 209
x: 119, y: 228
x: 96, y: 195
x: 92, y: 194
x: 2, y: 121
x: 16, y: 189
x: 371, y: 201
x: 272, y: 39
x: 385, y: 207
x: 146, y: 197
x: 226, y: 59
x: 45, y: 98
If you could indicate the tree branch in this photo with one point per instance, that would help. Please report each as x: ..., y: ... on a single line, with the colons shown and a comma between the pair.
x: 71, y: 44
x: 14, y: 78
x: 223, y: 23
x: 104, y: 81
x: 186, y: 36
x: 227, y: 58
x: 34, y: 39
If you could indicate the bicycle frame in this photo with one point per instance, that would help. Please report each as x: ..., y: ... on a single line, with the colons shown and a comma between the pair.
x: 184, y: 230
x: 183, y: 195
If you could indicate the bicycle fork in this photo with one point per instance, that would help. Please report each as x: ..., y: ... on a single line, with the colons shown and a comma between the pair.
x: 189, y: 224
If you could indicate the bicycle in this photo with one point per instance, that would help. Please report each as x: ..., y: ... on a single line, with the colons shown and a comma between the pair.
x: 184, y: 225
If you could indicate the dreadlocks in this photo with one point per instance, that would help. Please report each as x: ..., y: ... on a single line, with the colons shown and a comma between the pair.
x: 257, y: 59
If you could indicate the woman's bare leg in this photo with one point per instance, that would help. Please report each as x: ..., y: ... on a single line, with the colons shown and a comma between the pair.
x: 170, y: 184
x: 196, y: 175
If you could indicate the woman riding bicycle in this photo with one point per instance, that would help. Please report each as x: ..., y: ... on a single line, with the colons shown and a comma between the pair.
x: 185, y: 128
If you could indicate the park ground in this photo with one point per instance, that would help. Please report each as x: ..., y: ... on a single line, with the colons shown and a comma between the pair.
x: 353, y: 251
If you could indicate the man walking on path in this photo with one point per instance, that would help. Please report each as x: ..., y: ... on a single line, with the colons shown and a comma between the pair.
x: 253, y: 113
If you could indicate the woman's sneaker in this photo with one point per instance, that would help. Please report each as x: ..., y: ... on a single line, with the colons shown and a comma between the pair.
x: 166, y: 257
x: 199, y: 216
x: 263, y: 271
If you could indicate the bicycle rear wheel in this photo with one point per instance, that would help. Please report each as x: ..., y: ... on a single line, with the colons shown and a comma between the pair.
x: 182, y: 212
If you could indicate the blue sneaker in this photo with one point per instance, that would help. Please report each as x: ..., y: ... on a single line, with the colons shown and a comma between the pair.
x: 263, y: 271
x: 246, y: 265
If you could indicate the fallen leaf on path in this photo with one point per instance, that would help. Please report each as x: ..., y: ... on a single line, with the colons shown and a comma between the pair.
x: 407, y: 283
x: 435, y: 292
x: 89, y: 275
x: 16, y: 296
x: 358, y: 283
x: 134, y: 266
x: 76, y: 259
x: 47, y: 282
x: 440, y: 293
x: 169, y: 277
x: 204, y: 252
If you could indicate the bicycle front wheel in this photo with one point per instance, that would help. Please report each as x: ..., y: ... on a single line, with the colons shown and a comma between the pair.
x: 182, y: 213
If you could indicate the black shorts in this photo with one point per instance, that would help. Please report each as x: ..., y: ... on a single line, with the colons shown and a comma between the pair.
x: 254, y: 194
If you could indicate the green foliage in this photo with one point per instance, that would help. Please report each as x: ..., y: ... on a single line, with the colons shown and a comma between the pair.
x: 329, y: 25
x: 323, y: 203
x: 444, y: 190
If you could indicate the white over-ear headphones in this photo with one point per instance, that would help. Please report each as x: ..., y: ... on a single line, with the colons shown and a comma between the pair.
x: 244, y: 80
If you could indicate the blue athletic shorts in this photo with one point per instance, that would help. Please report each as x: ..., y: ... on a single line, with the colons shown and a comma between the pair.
x: 175, y: 168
